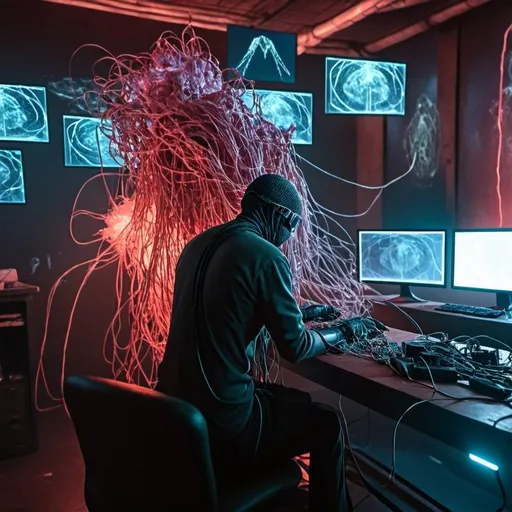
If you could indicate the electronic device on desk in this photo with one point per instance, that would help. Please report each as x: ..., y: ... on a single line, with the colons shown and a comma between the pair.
x: 464, y: 309
x: 418, y: 370
x: 421, y: 362
x: 406, y: 258
x: 481, y: 262
x: 441, y: 361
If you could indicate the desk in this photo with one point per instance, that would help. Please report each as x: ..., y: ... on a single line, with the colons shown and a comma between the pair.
x: 18, y: 434
x: 470, y: 426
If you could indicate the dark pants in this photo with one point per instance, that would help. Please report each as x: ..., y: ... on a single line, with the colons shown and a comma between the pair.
x: 291, y: 425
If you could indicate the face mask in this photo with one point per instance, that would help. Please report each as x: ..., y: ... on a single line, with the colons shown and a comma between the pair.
x: 283, y: 235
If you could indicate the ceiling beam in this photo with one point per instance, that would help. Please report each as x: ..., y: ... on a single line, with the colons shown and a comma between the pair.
x: 273, y: 14
x: 197, y: 17
x: 347, y: 18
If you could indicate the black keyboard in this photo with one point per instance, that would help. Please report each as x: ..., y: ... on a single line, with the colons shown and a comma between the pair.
x: 463, y: 309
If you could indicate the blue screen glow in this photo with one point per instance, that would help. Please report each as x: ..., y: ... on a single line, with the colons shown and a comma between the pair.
x: 402, y: 257
x: 262, y: 55
x: 23, y: 114
x: 285, y: 109
x: 356, y: 86
x: 86, y: 145
x: 12, y: 186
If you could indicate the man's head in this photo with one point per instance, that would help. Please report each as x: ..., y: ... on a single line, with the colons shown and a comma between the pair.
x: 276, y: 204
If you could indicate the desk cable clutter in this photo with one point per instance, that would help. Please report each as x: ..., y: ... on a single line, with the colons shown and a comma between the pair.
x: 437, y: 359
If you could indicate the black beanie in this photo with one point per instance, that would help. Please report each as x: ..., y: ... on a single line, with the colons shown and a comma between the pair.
x: 277, y: 190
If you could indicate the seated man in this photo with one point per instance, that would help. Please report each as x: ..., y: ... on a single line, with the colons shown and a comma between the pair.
x: 231, y: 282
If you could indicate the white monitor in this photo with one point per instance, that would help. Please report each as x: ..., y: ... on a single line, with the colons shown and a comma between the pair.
x: 482, y: 260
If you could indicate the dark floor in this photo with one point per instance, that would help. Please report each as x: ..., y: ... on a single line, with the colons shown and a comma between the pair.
x: 51, y: 480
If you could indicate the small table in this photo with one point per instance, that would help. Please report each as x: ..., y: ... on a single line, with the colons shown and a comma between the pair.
x: 18, y: 432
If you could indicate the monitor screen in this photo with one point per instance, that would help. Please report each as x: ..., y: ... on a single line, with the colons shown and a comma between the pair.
x: 364, y: 87
x: 262, y: 55
x: 12, y: 184
x: 402, y: 257
x: 482, y: 260
x: 23, y: 113
x: 86, y: 143
x: 286, y: 109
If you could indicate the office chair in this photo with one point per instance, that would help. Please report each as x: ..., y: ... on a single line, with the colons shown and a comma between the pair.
x: 148, y: 452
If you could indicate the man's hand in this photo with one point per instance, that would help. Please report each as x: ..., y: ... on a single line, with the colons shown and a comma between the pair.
x: 361, y: 327
x: 319, y: 313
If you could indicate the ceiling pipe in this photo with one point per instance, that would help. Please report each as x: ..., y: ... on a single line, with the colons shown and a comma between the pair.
x: 403, y: 4
x: 339, y: 22
x: 196, y: 18
x: 335, y: 50
x: 423, y: 26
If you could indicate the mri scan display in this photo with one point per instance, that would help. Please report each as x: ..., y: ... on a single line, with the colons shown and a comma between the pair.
x: 405, y: 257
x: 285, y: 110
x: 86, y: 144
x: 364, y: 87
x: 23, y: 114
x: 12, y: 187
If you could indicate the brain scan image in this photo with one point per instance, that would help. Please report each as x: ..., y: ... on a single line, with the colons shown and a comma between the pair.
x: 12, y: 187
x: 86, y: 144
x: 23, y: 114
x: 362, y: 87
x: 402, y: 257
x: 286, y: 110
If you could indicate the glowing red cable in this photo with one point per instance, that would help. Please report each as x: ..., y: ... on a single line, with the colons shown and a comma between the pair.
x: 500, y: 124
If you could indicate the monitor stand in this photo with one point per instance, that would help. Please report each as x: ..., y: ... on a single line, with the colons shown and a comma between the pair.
x: 406, y: 296
x: 503, y: 301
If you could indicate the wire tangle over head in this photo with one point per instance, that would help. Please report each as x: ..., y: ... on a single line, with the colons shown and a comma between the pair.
x: 190, y: 146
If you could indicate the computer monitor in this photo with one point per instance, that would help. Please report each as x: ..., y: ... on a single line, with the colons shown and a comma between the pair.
x: 482, y: 261
x: 407, y: 258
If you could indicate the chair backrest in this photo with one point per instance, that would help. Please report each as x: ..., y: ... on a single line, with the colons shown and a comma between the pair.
x: 143, y: 451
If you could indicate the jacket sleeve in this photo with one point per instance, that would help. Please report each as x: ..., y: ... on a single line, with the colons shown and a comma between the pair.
x: 282, y: 316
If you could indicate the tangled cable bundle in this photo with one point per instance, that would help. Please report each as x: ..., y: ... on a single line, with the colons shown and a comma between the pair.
x: 190, y: 146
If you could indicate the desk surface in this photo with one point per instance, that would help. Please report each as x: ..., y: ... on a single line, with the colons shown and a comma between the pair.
x: 459, y: 424
x: 430, y: 307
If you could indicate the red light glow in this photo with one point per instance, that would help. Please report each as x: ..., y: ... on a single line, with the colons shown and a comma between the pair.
x: 499, y: 158
x: 190, y: 146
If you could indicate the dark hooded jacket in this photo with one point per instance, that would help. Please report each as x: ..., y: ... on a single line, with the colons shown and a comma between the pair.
x: 245, y: 286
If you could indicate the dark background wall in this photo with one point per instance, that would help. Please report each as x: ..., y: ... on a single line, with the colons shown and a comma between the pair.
x: 406, y: 205
x: 413, y: 202
x: 481, y: 40
x: 36, y: 43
